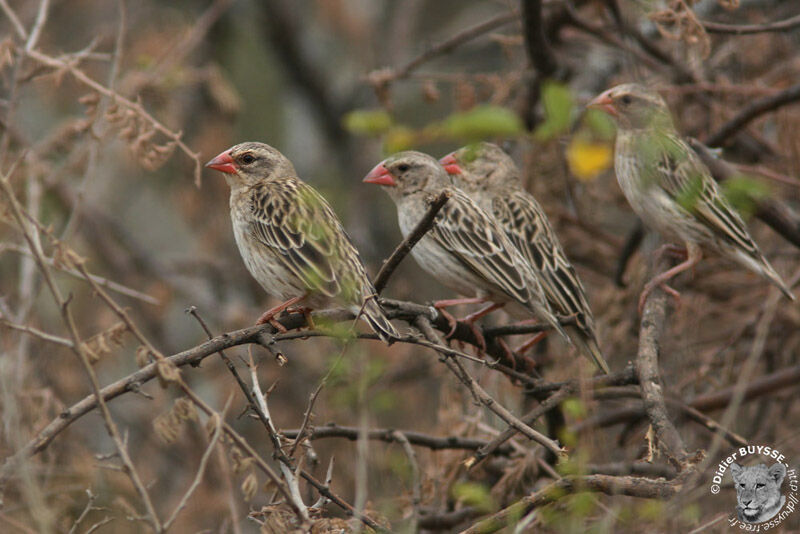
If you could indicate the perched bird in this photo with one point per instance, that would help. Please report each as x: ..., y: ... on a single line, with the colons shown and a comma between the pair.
x: 671, y: 189
x: 488, y: 175
x: 291, y: 240
x: 465, y: 250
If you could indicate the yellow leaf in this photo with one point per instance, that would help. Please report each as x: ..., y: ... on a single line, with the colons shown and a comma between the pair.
x: 588, y: 159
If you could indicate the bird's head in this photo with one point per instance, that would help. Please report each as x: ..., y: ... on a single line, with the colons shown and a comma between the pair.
x: 408, y: 172
x: 634, y: 107
x: 249, y: 163
x: 480, y: 166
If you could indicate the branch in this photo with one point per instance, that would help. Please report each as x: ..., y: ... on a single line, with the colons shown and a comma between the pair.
x: 402, y: 250
x: 631, y: 486
x: 771, y: 211
x: 539, y: 51
x: 753, y: 111
x: 484, y: 398
x: 652, y: 328
x: 780, y: 26
x: 388, y: 435
x: 381, y: 78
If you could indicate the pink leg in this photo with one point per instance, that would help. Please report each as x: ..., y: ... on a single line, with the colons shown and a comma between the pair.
x: 694, y: 254
x: 268, y: 316
x: 525, y: 347
x: 472, y: 317
x: 442, y: 304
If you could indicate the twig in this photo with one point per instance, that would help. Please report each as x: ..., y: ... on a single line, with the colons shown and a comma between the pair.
x: 774, y: 213
x: 103, y: 282
x: 610, y: 485
x: 539, y: 51
x: 79, y: 75
x: 779, y: 26
x: 484, y: 398
x: 399, y: 253
x: 383, y: 77
x: 650, y: 332
x: 77, y: 347
x: 529, y: 418
x: 12, y: 16
x: 751, y: 112
x: 386, y: 434
x: 416, y: 483
x: 201, y: 468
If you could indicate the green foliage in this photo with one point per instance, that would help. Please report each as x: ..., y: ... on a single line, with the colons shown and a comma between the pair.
x: 482, y: 122
x: 575, y: 408
x: 369, y: 122
x: 743, y: 193
x: 690, y: 194
x: 558, y: 104
x: 473, y: 494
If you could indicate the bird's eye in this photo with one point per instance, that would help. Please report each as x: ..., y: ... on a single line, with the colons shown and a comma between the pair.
x: 626, y: 99
x: 403, y: 167
x: 247, y: 159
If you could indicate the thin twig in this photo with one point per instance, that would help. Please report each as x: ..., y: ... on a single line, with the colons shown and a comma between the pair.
x: 416, y: 483
x: 399, y: 253
x: 484, y: 398
x: 201, y: 469
x: 743, y: 29
x: 754, y: 110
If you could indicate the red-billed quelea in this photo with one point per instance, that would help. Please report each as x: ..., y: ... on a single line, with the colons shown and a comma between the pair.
x: 291, y: 240
x: 671, y: 189
x: 488, y: 175
x: 465, y: 250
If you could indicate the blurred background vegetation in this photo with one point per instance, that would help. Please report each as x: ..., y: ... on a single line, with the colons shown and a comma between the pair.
x: 336, y: 85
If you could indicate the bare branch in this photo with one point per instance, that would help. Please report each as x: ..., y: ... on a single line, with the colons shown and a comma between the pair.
x: 743, y: 29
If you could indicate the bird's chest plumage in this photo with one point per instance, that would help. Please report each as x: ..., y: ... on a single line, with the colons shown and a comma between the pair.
x: 260, y: 260
x: 644, y: 194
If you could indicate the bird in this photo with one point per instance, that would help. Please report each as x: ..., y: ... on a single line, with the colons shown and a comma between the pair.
x: 466, y: 250
x: 487, y: 174
x: 290, y: 239
x: 672, y: 190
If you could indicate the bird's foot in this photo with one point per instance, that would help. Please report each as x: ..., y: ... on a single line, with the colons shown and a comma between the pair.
x: 525, y: 347
x: 676, y: 251
x: 451, y: 321
x: 269, y: 315
x: 676, y: 296
x: 306, y: 311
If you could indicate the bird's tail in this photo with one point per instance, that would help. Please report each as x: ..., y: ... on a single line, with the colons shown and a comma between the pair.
x: 763, y: 267
x: 374, y: 316
x: 586, y: 342
x: 544, y: 312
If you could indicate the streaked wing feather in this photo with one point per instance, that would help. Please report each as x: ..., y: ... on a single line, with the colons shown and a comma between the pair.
x: 297, y: 224
x: 527, y: 226
x: 469, y: 234
x: 681, y: 170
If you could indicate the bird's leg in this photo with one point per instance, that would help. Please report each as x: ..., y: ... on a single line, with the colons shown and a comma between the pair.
x: 676, y: 251
x: 306, y: 311
x: 693, y: 256
x: 525, y: 347
x: 472, y: 317
x: 452, y: 321
x: 508, y: 352
x: 269, y: 315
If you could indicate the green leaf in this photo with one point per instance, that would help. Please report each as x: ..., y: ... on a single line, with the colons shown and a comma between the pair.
x: 476, y: 495
x: 371, y: 122
x: 482, y: 122
x: 743, y: 193
x: 558, y: 104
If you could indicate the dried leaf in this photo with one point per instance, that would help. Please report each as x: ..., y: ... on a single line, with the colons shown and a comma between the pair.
x: 250, y: 486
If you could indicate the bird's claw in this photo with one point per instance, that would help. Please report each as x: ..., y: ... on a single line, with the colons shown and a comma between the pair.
x: 676, y: 296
